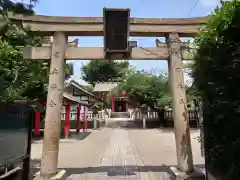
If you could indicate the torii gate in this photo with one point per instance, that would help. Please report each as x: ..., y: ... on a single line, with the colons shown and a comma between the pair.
x: 62, y: 27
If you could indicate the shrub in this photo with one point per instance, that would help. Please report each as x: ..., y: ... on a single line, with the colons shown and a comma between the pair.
x: 217, y: 74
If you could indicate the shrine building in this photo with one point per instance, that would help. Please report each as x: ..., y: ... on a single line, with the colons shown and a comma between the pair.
x: 118, y: 103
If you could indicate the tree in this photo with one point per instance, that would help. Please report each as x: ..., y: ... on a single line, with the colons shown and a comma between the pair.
x: 20, y: 78
x: 10, y: 6
x: 216, y: 75
x: 103, y: 71
x: 192, y: 92
x: 146, y: 89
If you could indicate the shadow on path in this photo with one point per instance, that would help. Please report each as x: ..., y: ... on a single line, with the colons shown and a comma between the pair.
x: 137, y: 125
x: 72, y: 136
x: 80, y: 136
x: 35, y: 167
x: 110, y: 171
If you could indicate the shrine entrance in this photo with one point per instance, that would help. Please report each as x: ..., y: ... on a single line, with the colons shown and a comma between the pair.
x: 120, y: 106
x: 116, y: 26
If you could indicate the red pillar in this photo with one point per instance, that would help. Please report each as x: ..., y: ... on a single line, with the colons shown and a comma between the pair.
x: 37, y: 124
x: 67, y: 120
x: 113, y: 104
x: 78, y: 119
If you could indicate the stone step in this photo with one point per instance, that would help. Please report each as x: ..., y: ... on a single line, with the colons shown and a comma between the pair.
x: 119, y: 119
x: 120, y: 115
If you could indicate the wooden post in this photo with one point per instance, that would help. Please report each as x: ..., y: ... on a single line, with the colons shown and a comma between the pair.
x: 52, y: 127
x: 81, y: 117
x: 37, y: 124
x: 67, y: 119
x: 113, y: 104
x: 78, y: 119
x: 181, y: 124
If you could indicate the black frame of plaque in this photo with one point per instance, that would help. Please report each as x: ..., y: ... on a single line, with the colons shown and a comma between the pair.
x: 116, y: 32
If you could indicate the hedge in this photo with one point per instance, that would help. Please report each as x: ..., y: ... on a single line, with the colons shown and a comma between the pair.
x: 217, y: 75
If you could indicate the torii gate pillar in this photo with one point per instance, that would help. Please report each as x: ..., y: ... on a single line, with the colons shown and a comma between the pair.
x: 52, y: 127
x: 180, y: 117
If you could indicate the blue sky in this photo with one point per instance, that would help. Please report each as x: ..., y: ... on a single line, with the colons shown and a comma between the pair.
x: 139, y: 8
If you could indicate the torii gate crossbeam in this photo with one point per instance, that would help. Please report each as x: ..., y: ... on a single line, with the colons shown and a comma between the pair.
x: 93, y: 26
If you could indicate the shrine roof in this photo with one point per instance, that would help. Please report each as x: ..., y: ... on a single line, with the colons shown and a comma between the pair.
x: 74, y: 99
x: 78, y: 86
x: 85, y: 92
x: 68, y: 96
x: 104, y: 86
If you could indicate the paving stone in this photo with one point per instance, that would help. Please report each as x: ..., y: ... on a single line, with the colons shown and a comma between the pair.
x: 119, y: 153
x: 76, y: 177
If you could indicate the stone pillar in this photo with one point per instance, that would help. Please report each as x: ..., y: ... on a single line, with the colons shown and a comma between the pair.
x: 144, y: 120
x: 52, y: 127
x: 148, y: 113
x: 181, y: 124
x: 106, y: 116
x: 95, y: 121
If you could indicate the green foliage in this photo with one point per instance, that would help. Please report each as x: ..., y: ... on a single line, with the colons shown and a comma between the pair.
x: 68, y: 70
x: 20, y: 78
x: 146, y: 89
x: 216, y: 74
x: 103, y: 71
x: 142, y: 87
x: 20, y: 8
x: 192, y: 93
x: 15, y: 70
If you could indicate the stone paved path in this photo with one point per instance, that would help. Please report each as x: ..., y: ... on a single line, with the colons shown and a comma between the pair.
x: 119, y: 153
x: 119, y: 160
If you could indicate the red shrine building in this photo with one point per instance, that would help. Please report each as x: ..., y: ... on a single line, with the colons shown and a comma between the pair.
x: 118, y: 103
